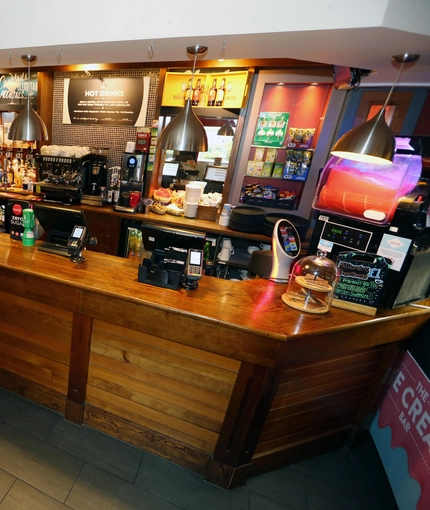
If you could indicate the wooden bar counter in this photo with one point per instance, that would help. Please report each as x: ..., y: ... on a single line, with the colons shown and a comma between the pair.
x: 225, y: 380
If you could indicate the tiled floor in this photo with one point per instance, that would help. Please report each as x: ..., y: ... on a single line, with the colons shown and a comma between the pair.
x: 47, y: 463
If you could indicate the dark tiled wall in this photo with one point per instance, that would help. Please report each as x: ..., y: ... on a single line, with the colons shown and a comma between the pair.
x: 114, y: 137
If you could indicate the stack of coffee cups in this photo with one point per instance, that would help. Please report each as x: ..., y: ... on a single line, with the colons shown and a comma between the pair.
x: 193, y: 193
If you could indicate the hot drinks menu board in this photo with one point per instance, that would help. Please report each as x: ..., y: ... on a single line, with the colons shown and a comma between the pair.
x: 106, y: 101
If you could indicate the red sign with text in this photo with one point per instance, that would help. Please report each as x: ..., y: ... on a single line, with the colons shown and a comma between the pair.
x: 406, y: 410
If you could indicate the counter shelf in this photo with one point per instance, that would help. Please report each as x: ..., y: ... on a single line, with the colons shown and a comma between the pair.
x: 226, y: 381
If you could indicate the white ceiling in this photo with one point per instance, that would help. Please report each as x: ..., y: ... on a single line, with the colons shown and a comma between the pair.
x: 111, y: 36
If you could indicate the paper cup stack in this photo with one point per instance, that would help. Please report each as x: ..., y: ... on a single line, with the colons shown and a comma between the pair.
x: 193, y: 193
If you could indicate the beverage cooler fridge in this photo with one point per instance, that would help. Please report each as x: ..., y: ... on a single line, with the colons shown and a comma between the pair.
x: 153, y: 237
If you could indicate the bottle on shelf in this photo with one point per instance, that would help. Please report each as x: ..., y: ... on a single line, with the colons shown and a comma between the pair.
x: 189, y: 91
x: 220, y: 94
x: 31, y: 175
x: 9, y: 173
x: 196, y: 94
x: 212, y: 94
x: 110, y: 190
x: 110, y: 193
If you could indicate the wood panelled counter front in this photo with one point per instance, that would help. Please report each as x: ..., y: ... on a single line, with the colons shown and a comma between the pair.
x: 224, y: 380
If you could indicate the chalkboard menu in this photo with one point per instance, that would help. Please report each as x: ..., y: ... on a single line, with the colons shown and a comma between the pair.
x: 362, y: 277
x: 106, y: 101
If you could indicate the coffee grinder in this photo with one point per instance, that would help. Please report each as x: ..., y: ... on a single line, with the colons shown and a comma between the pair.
x: 96, y: 193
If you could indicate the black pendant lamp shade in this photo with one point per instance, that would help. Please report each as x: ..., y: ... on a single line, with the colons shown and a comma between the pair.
x: 28, y: 126
x: 373, y: 141
x: 226, y: 129
x: 185, y: 132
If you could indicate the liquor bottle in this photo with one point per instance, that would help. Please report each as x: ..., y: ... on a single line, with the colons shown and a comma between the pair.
x: 220, y: 93
x: 196, y: 94
x: 19, y: 176
x: 189, y: 91
x: 212, y: 94
x: 9, y: 173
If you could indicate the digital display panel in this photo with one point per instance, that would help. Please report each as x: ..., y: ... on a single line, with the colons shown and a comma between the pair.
x: 78, y: 232
x: 195, y: 258
x: 349, y: 237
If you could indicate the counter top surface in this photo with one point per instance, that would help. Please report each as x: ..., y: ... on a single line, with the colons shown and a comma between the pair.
x: 167, y: 220
x: 254, y: 306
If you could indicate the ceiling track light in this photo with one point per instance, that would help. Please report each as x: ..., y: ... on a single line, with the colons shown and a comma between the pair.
x: 222, y: 54
x: 151, y: 50
x: 373, y: 141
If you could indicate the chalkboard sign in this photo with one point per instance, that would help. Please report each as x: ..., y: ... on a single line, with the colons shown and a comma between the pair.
x: 106, y: 102
x: 362, y: 277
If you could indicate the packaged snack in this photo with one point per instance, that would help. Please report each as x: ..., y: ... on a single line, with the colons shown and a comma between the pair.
x: 278, y: 168
x: 250, y: 167
x: 258, y: 169
x: 300, y: 137
x: 267, y: 169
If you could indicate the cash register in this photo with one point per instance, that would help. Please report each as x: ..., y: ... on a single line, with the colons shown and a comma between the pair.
x: 59, y: 224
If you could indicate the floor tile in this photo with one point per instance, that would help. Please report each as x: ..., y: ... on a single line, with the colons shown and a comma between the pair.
x: 284, y: 486
x: 24, y: 497
x: 48, y: 463
x: 96, y: 490
x: 107, y: 453
x: 259, y: 502
x: 6, y: 482
x: 25, y: 415
x: 324, y: 495
x: 39, y: 464
x: 186, y: 489
x: 334, y: 467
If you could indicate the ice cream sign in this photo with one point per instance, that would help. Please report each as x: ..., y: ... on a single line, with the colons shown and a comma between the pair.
x: 405, y: 416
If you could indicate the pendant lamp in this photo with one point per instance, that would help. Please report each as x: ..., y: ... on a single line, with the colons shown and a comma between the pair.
x: 185, y: 132
x: 28, y: 126
x: 226, y: 129
x: 373, y: 141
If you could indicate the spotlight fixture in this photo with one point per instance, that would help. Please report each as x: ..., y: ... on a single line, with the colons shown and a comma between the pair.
x: 222, y: 53
x: 373, y: 141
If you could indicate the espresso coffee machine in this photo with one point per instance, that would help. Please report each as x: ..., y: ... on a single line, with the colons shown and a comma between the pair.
x: 381, y: 210
x: 62, y: 179
x: 133, y: 166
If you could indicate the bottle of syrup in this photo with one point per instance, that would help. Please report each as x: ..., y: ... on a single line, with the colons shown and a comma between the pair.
x: 220, y: 94
x: 188, y: 91
x: 196, y: 94
x: 212, y: 94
